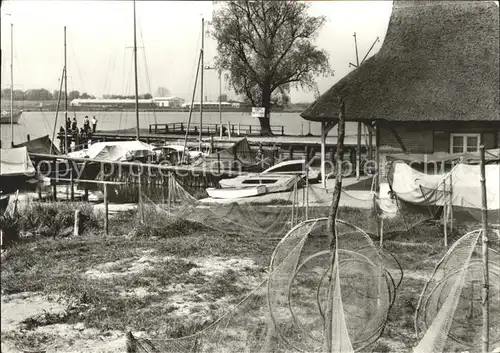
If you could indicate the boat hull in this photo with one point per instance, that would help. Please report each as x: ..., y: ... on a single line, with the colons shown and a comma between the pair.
x: 236, y: 193
x: 272, y: 182
x: 5, y: 118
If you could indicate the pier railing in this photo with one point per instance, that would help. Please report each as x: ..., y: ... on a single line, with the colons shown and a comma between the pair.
x: 213, y: 129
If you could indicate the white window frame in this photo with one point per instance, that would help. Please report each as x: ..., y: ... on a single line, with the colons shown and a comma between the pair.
x: 464, y: 147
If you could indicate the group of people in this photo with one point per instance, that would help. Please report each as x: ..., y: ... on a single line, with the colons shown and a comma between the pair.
x: 73, y: 125
x: 82, y: 135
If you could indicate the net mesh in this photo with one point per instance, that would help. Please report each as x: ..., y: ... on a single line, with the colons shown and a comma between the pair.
x: 448, y: 315
x: 286, y: 312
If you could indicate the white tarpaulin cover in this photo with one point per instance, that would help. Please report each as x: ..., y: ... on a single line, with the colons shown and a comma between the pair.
x: 115, y: 150
x: 15, y: 161
x: 462, y: 182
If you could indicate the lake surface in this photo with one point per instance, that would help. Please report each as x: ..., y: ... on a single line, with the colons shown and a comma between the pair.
x: 38, y: 124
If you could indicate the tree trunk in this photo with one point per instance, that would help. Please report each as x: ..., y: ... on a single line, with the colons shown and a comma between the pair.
x: 265, y: 123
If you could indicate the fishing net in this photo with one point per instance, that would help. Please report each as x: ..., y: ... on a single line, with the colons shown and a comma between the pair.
x: 269, y: 220
x: 287, y: 310
x: 448, y: 316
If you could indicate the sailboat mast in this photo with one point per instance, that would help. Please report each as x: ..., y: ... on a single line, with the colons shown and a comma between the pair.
x: 65, y: 96
x: 12, y: 84
x: 356, y: 46
x: 136, y: 83
x: 201, y: 78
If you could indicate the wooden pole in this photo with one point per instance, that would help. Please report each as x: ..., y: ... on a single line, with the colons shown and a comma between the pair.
x: 169, y: 197
x: 332, y: 217
x: 66, y: 147
x: 76, y: 229
x: 201, y: 78
x: 307, y: 193
x: 445, y: 215
x: 370, y: 144
x: 136, y: 82
x: 358, y: 152
x: 191, y: 109
x: 106, y: 223
x: 57, y: 111
x: 141, y: 211
x: 293, y: 204
x: 486, y: 284
x: 323, y: 153
x: 72, y: 183
x: 451, y: 202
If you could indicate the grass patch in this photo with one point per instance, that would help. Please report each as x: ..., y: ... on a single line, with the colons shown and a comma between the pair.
x: 51, y: 219
x: 59, y: 266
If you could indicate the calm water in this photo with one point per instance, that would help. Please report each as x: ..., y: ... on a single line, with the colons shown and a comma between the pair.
x: 38, y: 124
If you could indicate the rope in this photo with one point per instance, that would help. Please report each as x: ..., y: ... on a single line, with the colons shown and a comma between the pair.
x: 147, y: 71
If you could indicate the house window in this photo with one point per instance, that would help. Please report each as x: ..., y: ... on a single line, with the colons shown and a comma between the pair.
x: 461, y: 143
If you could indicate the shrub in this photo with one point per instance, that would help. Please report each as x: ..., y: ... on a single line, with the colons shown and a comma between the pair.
x: 9, y: 227
x: 166, y: 227
x: 51, y: 218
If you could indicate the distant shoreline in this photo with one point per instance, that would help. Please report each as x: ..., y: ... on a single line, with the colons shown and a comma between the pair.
x: 34, y: 106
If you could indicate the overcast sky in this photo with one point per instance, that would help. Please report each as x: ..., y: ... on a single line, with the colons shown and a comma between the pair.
x: 100, y: 37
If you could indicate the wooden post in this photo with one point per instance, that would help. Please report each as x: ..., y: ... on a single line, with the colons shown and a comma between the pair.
x: 76, y: 229
x: 293, y: 203
x: 358, y: 151
x: 451, y: 203
x: 486, y: 284
x: 106, y: 223
x: 381, y: 232
x: 228, y: 129
x: 141, y: 211
x: 131, y: 343
x: 54, y: 182
x: 307, y: 193
x: 445, y: 215
x: 323, y: 153
x: 332, y: 217
x: 169, y: 198
x: 370, y: 144
x: 72, y: 183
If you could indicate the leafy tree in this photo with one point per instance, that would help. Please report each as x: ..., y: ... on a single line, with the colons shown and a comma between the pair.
x: 73, y: 95
x: 222, y: 97
x: 162, y: 92
x: 85, y: 95
x: 40, y: 94
x: 147, y: 96
x: 18, y: 95
x: 266, y: 48
x: 55, y: 94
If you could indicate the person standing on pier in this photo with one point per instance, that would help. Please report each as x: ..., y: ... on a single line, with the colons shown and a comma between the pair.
x: 86, y: 124
x: 94, y: 124
x: 74, y: 125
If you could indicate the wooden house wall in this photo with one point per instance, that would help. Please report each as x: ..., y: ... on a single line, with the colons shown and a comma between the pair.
x: 430, y: 137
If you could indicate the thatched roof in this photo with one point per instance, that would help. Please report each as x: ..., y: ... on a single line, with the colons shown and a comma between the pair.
x: 439, y: 61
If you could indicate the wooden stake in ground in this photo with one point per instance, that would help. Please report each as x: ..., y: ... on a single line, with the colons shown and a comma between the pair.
x: 106, y: 223
x: 486, y: 282
x: 332, y: 217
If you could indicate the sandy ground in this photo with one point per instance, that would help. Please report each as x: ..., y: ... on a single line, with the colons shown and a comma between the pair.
x: 186, y: 300
x: 66, y: 338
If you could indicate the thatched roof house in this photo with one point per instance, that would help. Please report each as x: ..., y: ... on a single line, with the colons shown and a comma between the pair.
x: 439, y: 61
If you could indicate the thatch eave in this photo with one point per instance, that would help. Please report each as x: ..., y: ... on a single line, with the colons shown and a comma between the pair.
x: 439, y: 62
